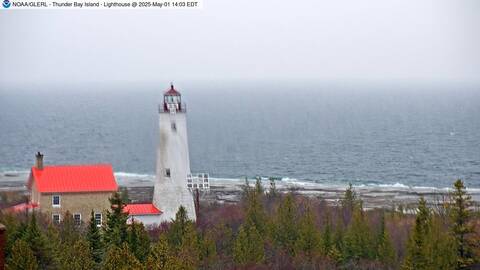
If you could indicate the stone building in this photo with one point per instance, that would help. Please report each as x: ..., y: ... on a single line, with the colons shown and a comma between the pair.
x: 79, y: 189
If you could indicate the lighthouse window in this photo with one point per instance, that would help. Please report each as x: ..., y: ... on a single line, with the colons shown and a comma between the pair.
x: 167, y: 172
x: 174, y: 126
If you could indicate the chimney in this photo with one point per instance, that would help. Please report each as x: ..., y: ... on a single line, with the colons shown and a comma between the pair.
x: 39, y: 161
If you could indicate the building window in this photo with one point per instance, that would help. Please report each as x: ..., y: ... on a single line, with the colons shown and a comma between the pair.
x: 167, y: 172
x: 56, y: 218
x: 56, y: 200
x: 77, y: 219
x: 174, y: 126
x: 98, y: 219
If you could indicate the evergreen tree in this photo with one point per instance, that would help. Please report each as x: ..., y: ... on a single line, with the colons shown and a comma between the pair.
x: 138, y: 241
x: 120, y: 258
x: 161, y: 257
x: 76, y: 256
x: 327, y: 237
x: 42, y: 249
x: 462, y: 227
x: 308, y: 239
x: 385, y: 252
x: 208, y: 252
x: 248, y: 247
x: 246, y: 189
x: 286, y: 233
x: 255, y: 212
x: 115, y: 230
x: 441, y: 252
x: 94, y: 239
x: 124, y: 195
x: 179, y: 228
x: 68, y: 230
x: 349, y: 203
x: 189, y: 253
x: 16, y: 230
x: 258, y: 186
x: 358, y: 238
x: 417, y: 258
x: 22, y: 257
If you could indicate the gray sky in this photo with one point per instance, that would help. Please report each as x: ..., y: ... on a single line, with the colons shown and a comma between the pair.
x: 375, y: 40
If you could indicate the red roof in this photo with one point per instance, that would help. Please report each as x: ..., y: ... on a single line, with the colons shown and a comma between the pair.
x: 141, y: 209
x: 172, y: 92
x: 74, y: 178
x: 22, y: 207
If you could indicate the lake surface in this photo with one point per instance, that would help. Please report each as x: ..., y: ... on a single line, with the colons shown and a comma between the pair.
x: 388, y: 134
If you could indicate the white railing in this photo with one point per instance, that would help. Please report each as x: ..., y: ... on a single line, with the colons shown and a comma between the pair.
x: 198, y: 181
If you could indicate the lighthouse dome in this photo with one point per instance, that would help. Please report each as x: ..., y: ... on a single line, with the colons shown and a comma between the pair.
x: 172, y: 91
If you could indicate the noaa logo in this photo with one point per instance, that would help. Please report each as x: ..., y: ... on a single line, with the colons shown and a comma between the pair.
x: 6, y: 3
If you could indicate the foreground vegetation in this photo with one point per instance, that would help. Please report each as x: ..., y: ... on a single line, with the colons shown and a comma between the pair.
x: 267, y: 230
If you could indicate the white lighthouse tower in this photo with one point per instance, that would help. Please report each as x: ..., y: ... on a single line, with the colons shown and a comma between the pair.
x: 173, y: 162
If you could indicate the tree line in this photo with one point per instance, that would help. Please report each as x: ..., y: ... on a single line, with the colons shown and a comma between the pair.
x: 266, y: 230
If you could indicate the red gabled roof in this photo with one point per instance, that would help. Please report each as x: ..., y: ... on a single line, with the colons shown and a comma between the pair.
x: 22, y: 207
x: 172, y: 92
x: 141, y: 209
x: 74, y: 178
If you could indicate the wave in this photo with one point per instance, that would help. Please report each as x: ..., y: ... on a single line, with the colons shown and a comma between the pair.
x: 144, y: 178
x: 133, y: 175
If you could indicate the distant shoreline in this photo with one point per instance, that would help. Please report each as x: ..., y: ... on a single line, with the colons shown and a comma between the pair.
x: 229, y: 191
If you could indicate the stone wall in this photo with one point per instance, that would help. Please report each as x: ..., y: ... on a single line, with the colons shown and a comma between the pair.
x: 82, y: 203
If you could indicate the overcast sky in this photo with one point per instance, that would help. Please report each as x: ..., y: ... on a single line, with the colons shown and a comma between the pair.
x: 376, y: 40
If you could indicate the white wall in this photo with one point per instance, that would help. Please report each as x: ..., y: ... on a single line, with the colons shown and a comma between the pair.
x: 147, y: 220
x: 172, y: 152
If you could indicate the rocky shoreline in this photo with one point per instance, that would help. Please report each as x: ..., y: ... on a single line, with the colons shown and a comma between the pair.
x: 226, y: 191
x: 229, y: 191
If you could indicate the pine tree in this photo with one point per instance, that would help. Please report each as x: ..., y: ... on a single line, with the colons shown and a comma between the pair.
x: 255, y: 212
x: 138, y: 241
x: 94, y: 239
x: 308, y: 239
x: 441, y: 252
x: 248, y: 247
x: 42, y: 249
x: 16, y: 230
x: 189, y: 252
x: 358, y: 238
x: 417, y: 257
x: 22, y: 257
x: 349, y: 203
x: 161, y: 257
x: 208, y: 250
x: 385, y: 252
x: 68, y: 230
x: 286, y: 233
x: 76, y: 256
x: 462, y: 227
x: 327, y: 237
x: 124, y: 195
x: 120, y: 258
x: 178, y: 228
x: 258, y: 186
x: 246, y: 189
x: 115, y: 230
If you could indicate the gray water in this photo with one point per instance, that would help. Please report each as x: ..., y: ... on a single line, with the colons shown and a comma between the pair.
x: 383, y: 134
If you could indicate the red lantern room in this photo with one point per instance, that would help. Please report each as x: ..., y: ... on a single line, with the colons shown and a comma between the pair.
x: 172, y: 100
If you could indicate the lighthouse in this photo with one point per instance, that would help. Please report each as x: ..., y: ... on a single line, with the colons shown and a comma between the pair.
x: 173, y: 162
